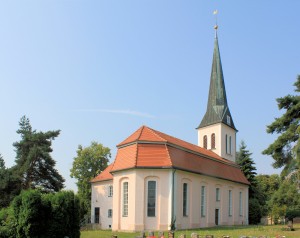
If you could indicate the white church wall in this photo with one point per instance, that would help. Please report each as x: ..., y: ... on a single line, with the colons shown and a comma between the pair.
x: 101, y: 199
x: 137, y: 218
x: 196, y: 218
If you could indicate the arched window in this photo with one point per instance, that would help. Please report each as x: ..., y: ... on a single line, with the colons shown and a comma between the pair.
x: 205, y: 142
x: 151, y: 197
x: 213, y: 141
x: 125, y: 199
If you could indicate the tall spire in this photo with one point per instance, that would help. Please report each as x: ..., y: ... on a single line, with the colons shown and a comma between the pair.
x: 217, y: 108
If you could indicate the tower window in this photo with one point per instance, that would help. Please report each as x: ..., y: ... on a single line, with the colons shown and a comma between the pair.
x: 213, y: 141
x: 228, y: 120
x: 205, y: 142
x: 228, y: 144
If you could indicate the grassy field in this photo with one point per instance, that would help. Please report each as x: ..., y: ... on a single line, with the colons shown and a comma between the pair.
x: 218, y: 232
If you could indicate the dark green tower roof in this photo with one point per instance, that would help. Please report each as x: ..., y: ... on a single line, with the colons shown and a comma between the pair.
x: 217, y: 108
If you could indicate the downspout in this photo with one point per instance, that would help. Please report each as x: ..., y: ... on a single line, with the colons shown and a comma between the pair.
x: 173, y: 218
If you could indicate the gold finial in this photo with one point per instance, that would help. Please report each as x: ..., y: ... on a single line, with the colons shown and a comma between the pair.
x: 216, y: 25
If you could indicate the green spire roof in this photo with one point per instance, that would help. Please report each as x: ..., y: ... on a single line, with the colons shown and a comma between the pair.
x: 217, y: 108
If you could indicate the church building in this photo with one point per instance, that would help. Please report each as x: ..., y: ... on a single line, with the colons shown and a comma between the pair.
x: 157, y: 180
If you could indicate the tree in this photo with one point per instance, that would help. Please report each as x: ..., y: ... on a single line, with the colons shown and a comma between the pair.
x: 285, y: 198
x: 246, y: 163
x: 90, y: 161
x: 9, y: 184
x: 286, y: 148
x: 34, y: 214
x: 267, y: 185
x: 34, y: 164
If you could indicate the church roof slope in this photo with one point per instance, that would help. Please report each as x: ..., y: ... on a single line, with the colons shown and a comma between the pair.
x: 148, y: 148
x: 104, y: 175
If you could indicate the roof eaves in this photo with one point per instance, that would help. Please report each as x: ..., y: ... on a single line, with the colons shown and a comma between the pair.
x: 213, y: 176
x: 227, y: 162
x: 101, y: 180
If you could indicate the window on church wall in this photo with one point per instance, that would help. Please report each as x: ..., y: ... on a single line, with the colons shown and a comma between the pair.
x: 205, y: 142
x: 241, y: 204
x: 203, y: 201
x: 185, y: 199
x: 125, y: 199
x: 213, y: 141
x: 109, y: 213
x: 151, y: 199
x: 110, y: 191
x: 218, y: 196
x: 230, y: 203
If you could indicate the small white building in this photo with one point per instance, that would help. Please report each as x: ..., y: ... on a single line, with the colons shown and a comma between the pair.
x: 157, y: 179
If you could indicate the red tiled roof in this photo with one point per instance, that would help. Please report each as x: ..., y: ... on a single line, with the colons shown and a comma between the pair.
x: 104, y: 175
x: 148, y: 148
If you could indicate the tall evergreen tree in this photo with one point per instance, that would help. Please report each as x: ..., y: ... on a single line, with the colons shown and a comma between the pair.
x: 247, y: 165
x: 285, y: 150
x: 34, y: 164
x: 256, y: 201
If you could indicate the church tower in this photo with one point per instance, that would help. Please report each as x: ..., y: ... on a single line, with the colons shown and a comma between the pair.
x: 216, y: 131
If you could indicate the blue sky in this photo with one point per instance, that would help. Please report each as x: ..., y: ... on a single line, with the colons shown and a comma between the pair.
x: 98, y: 70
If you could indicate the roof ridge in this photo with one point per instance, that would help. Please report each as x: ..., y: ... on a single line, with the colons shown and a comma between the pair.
x: 154, y: 132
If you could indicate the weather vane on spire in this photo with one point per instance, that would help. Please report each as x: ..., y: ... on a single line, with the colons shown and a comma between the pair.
x: 216, y: 16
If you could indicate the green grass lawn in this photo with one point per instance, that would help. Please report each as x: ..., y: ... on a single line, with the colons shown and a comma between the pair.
x: 218, y: 232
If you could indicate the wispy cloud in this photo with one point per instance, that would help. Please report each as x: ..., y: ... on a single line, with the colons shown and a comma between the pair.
x: 118, y: 111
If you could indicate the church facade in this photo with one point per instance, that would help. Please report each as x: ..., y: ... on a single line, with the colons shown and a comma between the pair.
x: 157, y: 181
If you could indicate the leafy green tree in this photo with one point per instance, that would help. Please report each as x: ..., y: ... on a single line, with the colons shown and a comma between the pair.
x: 88, y: 163
x: 285, y: 198
x: 285, y: 150
x: 267, y: 185
x: 34, y: 164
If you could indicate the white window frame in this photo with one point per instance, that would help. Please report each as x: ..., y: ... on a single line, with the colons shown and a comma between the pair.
x: 149, y: 198
x: 125, y: 199
x: 241, y: 203
x: 230, y: 203
x: 218, y: 195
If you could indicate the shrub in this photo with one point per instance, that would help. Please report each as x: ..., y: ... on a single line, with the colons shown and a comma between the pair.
x: 36, y: 215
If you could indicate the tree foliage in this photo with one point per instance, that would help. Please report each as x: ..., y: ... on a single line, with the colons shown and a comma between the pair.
x: 286, y: 147
x: 88, y: 163
x: 33, y: 214
x: 267, y: 185
x: 9, y: 184
x: 255, y: 211
x: 247, y: 165
x: 34, y: 164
